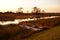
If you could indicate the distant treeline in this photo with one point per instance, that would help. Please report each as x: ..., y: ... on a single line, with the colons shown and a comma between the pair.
x: 11, y: 15
x: 18, y: 13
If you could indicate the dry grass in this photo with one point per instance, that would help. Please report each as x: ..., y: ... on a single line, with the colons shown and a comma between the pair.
x: 50, y: 34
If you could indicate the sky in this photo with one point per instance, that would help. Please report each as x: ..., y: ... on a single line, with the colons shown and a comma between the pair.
x: 13, y: 5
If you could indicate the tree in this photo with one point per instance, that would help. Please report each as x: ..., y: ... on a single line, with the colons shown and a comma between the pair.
x: 20, y: 10
x: 43, y: 11
x: 36, y: 10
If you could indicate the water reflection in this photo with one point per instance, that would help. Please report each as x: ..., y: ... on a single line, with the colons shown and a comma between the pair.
x: 17, y: 21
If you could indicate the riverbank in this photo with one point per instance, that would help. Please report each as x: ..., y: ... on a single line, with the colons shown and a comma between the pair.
x: 50, y: 34
x: 9, y: 16
x: 16, y: 32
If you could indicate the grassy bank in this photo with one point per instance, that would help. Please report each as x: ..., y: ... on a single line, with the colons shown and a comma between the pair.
x: 50, y: 34
x: 16, y: 32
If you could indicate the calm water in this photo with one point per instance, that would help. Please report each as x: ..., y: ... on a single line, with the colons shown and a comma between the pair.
x: 17, y: 21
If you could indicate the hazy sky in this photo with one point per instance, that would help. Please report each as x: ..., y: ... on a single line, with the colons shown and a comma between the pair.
x: 13, y: 5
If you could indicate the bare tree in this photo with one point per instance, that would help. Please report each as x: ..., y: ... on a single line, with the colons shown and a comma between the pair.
x: 36, y: 10
x: 43, y: 11
x: 20, y: 10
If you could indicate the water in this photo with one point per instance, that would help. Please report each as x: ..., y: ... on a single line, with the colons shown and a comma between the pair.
x: 17, y: 21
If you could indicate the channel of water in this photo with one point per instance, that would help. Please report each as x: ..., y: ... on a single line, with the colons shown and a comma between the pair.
x: 17, y: 21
